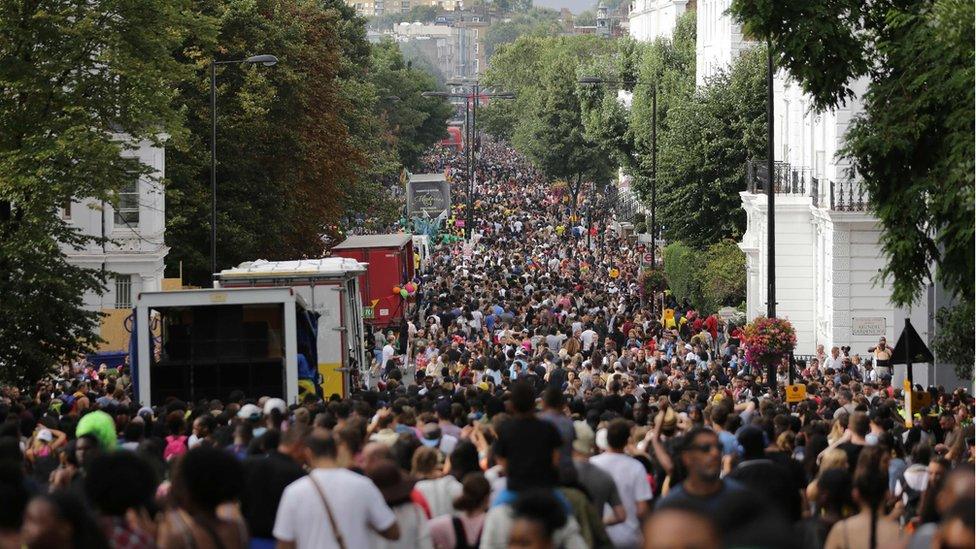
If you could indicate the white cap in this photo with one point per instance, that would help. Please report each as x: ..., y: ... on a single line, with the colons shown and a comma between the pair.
x: 45, y: 436
x: 275, y: 404
x: 249, y: 411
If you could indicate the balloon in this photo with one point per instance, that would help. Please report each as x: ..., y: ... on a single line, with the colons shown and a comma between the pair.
x: 410, y: 288
x: 614, y: 273
x: 403, y: 294
x: 396, y: 289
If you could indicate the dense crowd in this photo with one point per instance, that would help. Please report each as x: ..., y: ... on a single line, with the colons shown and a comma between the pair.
x: 542, y: 400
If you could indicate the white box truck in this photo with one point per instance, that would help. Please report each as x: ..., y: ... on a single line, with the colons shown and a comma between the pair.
x: 205, y: 344
x: 330, y: 290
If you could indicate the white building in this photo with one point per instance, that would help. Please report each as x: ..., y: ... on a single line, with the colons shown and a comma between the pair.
x: 720, y: 39
x: 828, y: 254
x: 453, y: 50
x: 652, y: 19
x: 133, y: 255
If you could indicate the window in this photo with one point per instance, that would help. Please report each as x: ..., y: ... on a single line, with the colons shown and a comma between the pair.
x: 127, y: 209
x: 66, y: 209
x: 123, y: 291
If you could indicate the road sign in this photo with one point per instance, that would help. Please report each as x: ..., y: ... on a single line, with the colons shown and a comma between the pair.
x: 647, y: 258
x: 367, y: 313
x: 796, y: 393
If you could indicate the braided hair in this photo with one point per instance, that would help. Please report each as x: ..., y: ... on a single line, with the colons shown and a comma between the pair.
x: 871, y: 483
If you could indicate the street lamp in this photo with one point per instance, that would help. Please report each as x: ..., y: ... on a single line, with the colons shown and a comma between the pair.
x: 264, y: 60
x: 594, y: 80
x: 470, y: 133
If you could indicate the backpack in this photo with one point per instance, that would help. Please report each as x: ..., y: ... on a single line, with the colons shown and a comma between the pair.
x: 175, y: 446
x: 914, y: 497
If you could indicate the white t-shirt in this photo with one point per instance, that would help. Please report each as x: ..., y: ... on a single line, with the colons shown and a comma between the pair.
x: 356, y: 504
x: 388, y: 352
x: 587, y: 338
x: 631, y: 480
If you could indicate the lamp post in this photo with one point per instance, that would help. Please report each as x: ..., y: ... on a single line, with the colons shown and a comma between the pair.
x: 470, y: 131
x: 770, y: 208
x: 264, y: 60
x: 594, y: 80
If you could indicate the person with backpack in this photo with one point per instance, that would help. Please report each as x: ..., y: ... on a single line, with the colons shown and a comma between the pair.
x: 462, y: 529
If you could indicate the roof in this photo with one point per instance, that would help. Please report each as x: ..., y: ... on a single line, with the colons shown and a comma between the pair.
x: 427, y: 177
x: 325, y: 267
x: 374, y: 241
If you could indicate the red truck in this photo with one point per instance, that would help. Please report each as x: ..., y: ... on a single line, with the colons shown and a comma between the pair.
x: 390, y: 263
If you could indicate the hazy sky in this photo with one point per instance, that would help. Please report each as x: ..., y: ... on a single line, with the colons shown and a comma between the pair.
x: 575, y: 6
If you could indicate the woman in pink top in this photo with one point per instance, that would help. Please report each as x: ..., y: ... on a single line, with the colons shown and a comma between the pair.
x: 462, y: 529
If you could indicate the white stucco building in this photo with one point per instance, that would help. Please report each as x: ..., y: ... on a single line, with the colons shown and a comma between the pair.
x: 652, y: 19
x: 133, y: 256
x: 827, y: 245
x: 719, y: 39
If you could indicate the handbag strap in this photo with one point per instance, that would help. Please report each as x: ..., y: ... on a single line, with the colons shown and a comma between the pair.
x: 328, y: 511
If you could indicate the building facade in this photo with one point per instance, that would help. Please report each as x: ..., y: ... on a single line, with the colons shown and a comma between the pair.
x: 828, y: 253
x: 132, y: 256
x: 719, y: 39
x: 454, y: 50
x: 653, y: 19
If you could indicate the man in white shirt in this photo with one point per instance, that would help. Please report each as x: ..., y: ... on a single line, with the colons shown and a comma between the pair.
x: 351, y: 503
x: 388, y: 352
x: 632, y: 483
x: 587, y: 338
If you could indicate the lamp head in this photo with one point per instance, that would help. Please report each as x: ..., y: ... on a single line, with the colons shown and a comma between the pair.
x: 264, y: 59
x: 590, y: 80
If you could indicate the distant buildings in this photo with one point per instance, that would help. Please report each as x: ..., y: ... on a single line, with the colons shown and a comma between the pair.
x: 453, y: 49
x: 652, y: 19
x: 720, y: 39
x: 373, y: 8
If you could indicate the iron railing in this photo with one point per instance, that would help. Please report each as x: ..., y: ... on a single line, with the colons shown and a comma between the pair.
x: 841, y: 196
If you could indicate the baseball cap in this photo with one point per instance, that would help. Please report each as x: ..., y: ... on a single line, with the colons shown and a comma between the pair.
x: 249, y: 411
x: 45, y: 436
x: 585, y: 438
x: 275, y: 404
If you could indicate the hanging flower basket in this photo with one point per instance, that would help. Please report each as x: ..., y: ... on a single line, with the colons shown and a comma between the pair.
x: 768, y: 340
x: 652, y: 281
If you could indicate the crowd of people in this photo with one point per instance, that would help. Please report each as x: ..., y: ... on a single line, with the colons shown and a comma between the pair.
x: 543, y: 400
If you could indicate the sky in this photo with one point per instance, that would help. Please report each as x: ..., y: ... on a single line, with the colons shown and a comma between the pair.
x: 575, y: 6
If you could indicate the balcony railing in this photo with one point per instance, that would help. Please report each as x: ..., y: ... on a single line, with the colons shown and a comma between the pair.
x: 841, y: 196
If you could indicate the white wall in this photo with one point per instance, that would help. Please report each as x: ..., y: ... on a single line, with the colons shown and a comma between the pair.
x: 652, y: 19
x: 138, y: 250
x: 720, y: 39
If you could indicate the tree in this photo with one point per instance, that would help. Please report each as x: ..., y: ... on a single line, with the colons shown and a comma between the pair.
x: 529, y: 22
x: 682, y: 266
x: 723, y: 278
x: 415, y: 122
x: 287, y: 152
x: 80, y: 82
x: 954, y: 341
x: 546, y: 115
x: 703, y: 153
x: 913, y: 145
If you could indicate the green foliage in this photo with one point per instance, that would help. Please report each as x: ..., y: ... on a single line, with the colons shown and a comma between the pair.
x: 913, y: 144
x: 546, y: 115
x: 416, y: 122
x: 708, y: 279
x: 954, y: 341
x: 723, y: 278
x: 703, y: 152
x: 528, y: 22
x: 653, y: 281
x: 682, y: 265
x: 300, y: 145
x: 586, y: 18
x: 74, y: 76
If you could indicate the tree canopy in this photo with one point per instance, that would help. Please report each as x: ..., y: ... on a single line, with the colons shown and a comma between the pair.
x: 912, y: 147
x: 80, y: 84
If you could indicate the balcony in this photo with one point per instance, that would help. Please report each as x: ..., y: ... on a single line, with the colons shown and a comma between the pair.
x: 839, y: 196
